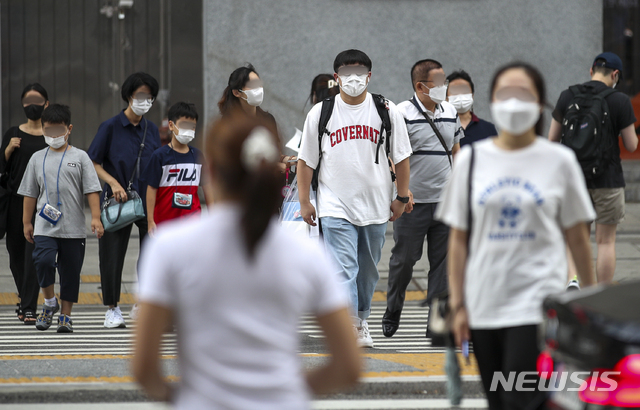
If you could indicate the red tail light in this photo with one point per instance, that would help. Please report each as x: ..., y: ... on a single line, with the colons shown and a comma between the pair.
x: 544, y: 365
x: 625, y: 392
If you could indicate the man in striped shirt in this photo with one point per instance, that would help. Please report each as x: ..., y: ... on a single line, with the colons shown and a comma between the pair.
x: 426, y: 112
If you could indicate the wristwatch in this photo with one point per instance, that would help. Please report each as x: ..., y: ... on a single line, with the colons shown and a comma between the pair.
x: 403, y: 199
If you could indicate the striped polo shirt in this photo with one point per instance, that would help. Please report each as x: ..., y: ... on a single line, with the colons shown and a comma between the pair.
x: 430, y: 167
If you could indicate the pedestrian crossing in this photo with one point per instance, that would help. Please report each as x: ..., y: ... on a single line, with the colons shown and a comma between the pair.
x: 91, y: 338
x: 410, y: 337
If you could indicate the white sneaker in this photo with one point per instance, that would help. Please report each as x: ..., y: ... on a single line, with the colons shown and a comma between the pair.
x: 133, y: 313
x: 364, y: 338
x: 113, y: 318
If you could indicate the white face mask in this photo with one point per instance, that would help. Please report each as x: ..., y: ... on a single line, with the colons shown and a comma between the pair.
x: 56, y: 142
x: 354, y: 85
x: 437, y: 94
x: 254, y: 96
x: 515, y: 116
x: 185, y: 136
x: 140, y: 107
x: 462, y: 102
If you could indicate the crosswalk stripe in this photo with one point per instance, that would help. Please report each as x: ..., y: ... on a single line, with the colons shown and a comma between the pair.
x: 90, y: 337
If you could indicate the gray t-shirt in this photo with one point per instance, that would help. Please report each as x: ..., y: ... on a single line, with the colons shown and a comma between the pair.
x: 430, y: 167
x: 77, y: 178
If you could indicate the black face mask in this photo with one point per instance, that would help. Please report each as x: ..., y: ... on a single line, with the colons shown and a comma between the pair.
x: 33, y: 111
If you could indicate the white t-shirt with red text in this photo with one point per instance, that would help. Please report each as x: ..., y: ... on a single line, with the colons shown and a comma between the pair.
x: 350, y: 184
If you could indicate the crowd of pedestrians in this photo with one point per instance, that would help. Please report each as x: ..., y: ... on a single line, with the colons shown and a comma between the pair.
x: 504, y: 210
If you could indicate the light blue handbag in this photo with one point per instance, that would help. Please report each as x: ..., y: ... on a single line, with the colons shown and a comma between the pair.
x: 116, y: 215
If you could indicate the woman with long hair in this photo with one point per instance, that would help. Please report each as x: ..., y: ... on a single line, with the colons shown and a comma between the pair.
x: 18, y: 145
x: 236, y: 284
x: 511, y: 203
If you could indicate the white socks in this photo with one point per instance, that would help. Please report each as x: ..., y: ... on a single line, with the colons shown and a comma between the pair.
x: 50, y: 302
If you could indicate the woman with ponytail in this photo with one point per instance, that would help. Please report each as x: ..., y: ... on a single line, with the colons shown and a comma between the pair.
x: 236, y: 284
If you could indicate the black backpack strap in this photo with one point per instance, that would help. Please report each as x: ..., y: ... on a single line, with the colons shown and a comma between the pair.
x: 325, y: 116
x: 607, y: 92
x: 435, y: 129
x: 382, y: 106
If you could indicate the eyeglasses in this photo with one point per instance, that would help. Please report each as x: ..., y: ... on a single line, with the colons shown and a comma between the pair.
x: 520, y: 93
x: 54, y: 131
x: 141, y: 97
x: 353, y: 69
x: 33, y: 99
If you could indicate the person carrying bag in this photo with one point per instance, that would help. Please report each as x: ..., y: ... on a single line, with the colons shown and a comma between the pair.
x: 114, y: 214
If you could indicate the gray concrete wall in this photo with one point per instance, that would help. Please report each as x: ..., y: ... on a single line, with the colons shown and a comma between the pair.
x: 290, y: 41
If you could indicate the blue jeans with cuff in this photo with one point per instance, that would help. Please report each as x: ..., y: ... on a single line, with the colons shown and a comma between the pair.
x: 356, y: 250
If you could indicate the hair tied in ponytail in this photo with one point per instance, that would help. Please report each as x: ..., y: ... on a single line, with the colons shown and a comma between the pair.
x: 258, y: 147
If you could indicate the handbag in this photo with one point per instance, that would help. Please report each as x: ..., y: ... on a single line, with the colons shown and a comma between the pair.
x: 116, y: 215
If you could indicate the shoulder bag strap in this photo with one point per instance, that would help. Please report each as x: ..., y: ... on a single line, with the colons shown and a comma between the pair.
x: 469, y: 201
x: 435, y: 129
x: 136, y: 170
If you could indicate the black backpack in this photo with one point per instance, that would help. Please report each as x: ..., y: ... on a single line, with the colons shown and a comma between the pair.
x: 382, y: 107
x: 587, y: 129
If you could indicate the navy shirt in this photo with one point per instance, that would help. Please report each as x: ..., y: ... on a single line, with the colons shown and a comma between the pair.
x: 116, y: 146
x: 477, y: 130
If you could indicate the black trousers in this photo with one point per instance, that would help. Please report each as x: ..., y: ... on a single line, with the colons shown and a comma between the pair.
x: 511, y: 349
x: 409, y: 232
x: 20, y: 256
x: 112, y: 249
x: 64, y: 254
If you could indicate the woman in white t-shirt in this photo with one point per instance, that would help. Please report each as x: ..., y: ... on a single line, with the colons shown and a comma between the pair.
x: 236, y: 284
x: 528, y: 196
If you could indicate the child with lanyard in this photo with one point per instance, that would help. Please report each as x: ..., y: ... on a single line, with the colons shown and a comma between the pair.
x: 59, y: 235
x: 174, y: 171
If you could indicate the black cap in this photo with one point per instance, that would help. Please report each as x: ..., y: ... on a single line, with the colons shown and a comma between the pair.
x: 611, y: 60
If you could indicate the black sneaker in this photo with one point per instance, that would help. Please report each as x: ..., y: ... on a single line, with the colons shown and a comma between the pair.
x: 65, y: 324
x: 390, y: 322
x: 43, y: 322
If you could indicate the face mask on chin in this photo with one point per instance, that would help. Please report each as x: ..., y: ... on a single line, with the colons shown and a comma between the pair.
x: 461, y: 102
x: 354, y: 85
x: 515, y: 116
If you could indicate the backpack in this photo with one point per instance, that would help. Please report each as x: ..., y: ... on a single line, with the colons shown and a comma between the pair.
x: 382, y: 107
x: 587, y: 129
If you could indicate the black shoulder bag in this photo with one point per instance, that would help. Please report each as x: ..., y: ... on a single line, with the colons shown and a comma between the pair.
x: 116, y: 215
x: 435, y: 129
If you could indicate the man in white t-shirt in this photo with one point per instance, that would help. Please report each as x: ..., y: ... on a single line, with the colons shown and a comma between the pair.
x: 356, y: 195
x: 431, y: 162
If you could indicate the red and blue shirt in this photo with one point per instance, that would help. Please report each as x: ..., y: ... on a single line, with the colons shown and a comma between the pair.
x: 170, y: 172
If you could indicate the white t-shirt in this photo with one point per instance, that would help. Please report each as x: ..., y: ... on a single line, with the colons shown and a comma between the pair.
x: 350, y: 184
x: 236, y: 318
x: 522, y: 201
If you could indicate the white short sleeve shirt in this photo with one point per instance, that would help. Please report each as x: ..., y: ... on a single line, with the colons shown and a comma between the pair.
x: 522, y: 201
x: 237, y: 317
x: 350, y: 184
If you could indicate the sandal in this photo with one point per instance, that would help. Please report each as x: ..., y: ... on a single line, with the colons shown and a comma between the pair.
x: 19, y: 312
x: 30, y: 317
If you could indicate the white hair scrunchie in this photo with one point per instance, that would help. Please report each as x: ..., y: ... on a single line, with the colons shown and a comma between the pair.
x: 258, y: 147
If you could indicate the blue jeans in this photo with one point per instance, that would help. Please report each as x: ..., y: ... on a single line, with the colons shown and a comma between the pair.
x: 356, y: 250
